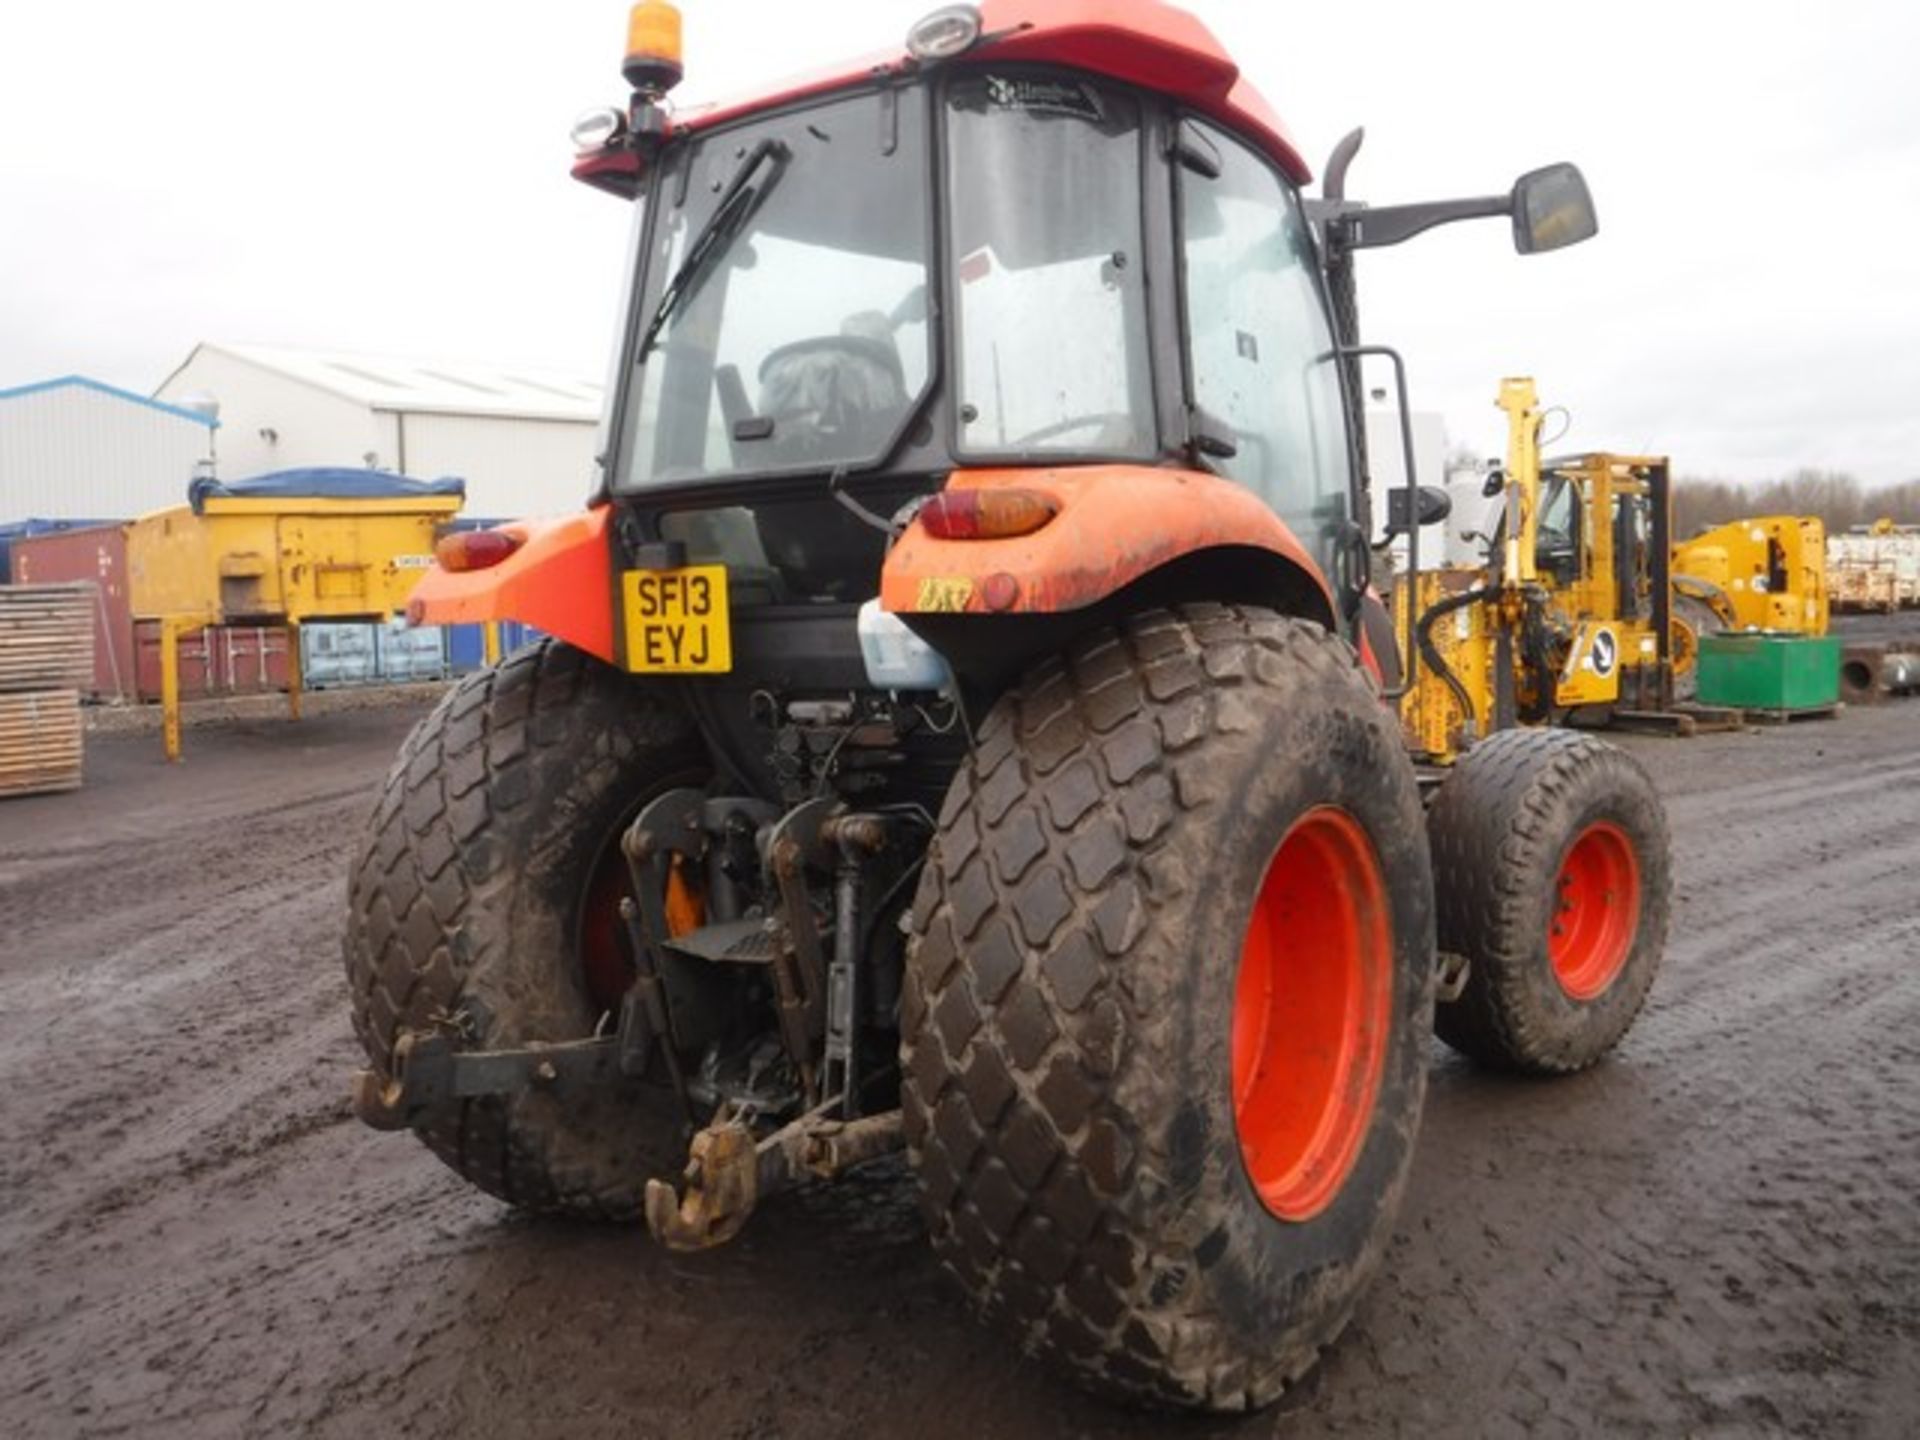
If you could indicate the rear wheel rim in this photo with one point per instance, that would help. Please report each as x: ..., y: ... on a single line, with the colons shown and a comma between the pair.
x: 606, y: 959
x: 1313, y: 1006
x: 1596, y: 911
x: 604, y: 953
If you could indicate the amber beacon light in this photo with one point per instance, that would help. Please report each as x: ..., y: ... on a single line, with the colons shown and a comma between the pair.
x: 653, y: 47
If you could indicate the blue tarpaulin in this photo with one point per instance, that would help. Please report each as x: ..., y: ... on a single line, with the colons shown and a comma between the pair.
x: 323, y: 484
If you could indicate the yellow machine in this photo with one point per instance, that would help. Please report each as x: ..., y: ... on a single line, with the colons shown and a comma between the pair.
x: 276, y: 558
x: 1768, y: 573
x: 1588, y: 612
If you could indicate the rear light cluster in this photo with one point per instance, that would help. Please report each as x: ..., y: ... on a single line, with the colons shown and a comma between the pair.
x: 994, y: 514
x: 474, y: 549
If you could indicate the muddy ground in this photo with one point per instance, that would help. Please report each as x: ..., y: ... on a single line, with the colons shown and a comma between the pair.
x: 1716, y: 1233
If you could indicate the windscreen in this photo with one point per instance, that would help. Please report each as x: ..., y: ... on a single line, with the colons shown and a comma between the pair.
x: 783, y: 321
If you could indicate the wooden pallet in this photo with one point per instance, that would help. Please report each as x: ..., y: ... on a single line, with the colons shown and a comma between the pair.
x: 46, y: 636
x: 40, y: 742
x: 1684, y: 719
x: 1787, y: 717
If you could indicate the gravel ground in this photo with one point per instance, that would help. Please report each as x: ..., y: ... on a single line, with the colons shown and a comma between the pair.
x: 1718, y: 1232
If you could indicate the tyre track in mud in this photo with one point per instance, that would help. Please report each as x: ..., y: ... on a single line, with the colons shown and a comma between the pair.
x: 1717, y: 1232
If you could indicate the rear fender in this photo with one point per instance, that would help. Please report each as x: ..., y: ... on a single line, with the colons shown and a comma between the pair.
x: 1126, y: 538
x: 1116, y: 526
x: 560, y: 580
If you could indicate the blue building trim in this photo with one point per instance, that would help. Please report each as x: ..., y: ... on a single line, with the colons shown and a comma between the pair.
x: 115, y: 391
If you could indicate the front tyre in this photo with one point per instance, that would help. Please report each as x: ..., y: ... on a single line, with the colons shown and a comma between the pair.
x: 1164, y: 1030
x: 483, y: 900
x: 1551, y: 864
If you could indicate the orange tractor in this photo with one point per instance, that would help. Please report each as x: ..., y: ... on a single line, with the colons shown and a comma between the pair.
x: 967, y: 730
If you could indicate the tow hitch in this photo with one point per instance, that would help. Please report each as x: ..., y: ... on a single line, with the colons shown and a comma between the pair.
x: 427, y: 1070
x: 728, y: 1172
x: 792, y: 902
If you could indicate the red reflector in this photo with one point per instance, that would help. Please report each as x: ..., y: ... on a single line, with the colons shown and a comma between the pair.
x: 474, y: 549
x: 986, y: 514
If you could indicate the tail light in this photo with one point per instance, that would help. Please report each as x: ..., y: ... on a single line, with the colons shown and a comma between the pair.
x: 986, y: 514
x: 474, y: 549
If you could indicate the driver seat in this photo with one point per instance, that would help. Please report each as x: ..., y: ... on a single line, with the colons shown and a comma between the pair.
x: 834, y: 396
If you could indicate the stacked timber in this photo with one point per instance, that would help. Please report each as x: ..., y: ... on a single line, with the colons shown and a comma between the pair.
x: 46, y: 658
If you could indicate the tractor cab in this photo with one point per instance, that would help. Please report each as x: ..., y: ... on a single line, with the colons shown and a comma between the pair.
x: 1041, y: 245
x: 957, y: 267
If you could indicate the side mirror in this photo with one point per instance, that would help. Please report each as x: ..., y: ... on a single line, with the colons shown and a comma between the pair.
x: 1435, y: 506
x: 1552, y: 209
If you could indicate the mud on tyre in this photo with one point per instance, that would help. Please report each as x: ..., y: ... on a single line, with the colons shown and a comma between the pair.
x: 1551, y: 865
x: 1160, y: 843
x: 466, y: 911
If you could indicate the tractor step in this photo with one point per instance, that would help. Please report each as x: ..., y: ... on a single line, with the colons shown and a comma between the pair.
x: 752, y: 941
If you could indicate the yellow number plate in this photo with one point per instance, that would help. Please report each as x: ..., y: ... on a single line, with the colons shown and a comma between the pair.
x: 677, y: 620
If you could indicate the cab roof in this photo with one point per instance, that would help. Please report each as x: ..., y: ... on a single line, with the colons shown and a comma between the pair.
x: 1155, y: 46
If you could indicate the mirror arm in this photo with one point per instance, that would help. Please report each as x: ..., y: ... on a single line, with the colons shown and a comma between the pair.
x: 1369, y: 228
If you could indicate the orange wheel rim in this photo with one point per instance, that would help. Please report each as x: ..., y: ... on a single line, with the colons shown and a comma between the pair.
x: 1596, y: 911
x: 1312, y: 1009
x: 606, y: 959
x: 606, y: 955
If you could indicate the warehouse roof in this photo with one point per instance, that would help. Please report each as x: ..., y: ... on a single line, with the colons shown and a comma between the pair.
x: 62, y: 382
x: 449, y: 387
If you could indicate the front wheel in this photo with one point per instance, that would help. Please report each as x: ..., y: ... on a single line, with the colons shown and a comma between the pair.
x: 1165, y: 1022
x: 1551, y: 864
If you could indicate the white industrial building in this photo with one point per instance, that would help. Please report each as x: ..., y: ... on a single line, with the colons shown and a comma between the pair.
x: 75, y: 449
x: 523, y: 438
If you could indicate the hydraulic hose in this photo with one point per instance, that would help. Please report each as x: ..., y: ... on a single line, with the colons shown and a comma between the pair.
x: 1430, y: 652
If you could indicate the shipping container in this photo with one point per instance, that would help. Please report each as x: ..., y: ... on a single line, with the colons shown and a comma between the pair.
x: 467, y: 647
x: 221, y: 660
x: 26, y: 529
x: 336, y: 654
x: 99, y: 554
x: 406, y: 654
x: 345, y: 653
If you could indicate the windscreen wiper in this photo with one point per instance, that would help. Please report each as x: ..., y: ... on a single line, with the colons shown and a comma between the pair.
x: 728, y: 218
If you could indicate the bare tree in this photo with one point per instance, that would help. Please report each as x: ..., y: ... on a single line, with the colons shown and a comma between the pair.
x: 1838, y: 499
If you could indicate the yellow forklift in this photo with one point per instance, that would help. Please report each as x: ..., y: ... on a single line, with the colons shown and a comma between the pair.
x: 1587, y: 613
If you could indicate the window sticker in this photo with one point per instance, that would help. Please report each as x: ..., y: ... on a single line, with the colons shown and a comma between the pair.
x: 1047, y: 97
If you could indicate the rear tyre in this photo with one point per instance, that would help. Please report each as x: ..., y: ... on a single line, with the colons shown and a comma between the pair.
x: 1164, y: 1027
x: 1552, y: 873
x: 481, y: 901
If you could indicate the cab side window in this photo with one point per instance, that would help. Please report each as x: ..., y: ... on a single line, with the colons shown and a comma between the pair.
x: 1261, y: 348
x: 1556, y: 544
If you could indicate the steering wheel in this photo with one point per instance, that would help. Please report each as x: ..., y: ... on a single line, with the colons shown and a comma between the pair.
x: 1069, y: 425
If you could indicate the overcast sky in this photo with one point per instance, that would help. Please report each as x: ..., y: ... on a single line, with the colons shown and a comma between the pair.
x: 390, y: 176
